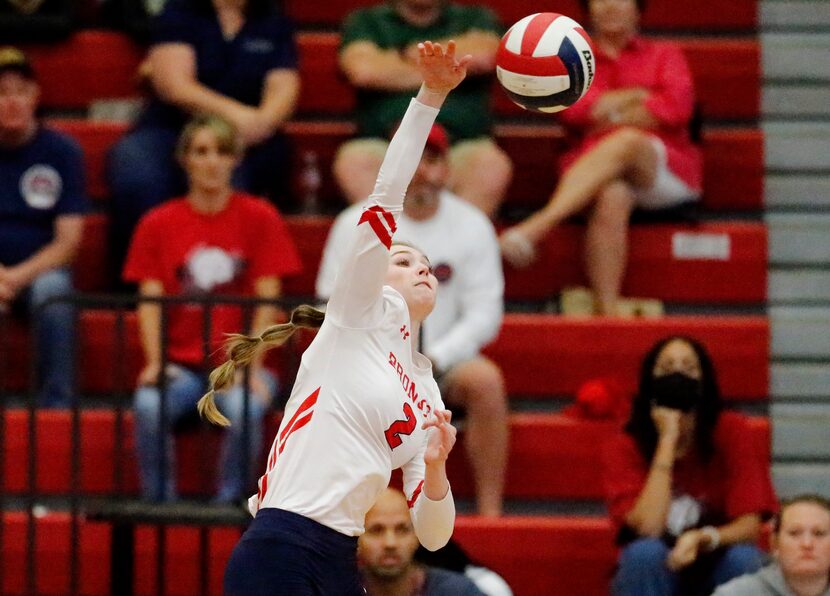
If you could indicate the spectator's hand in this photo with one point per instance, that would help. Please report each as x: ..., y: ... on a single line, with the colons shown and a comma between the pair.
x: 149, y: 375
x: 685, y: 550
x: 440, y: 69
x: 250, y: 125
x: 667, y: 421
x: 442, y: 440
x: 516, y: 247
x: 608, y: 108
x: 11, y: 282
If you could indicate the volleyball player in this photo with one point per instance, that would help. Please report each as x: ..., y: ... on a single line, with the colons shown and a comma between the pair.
x: 364, y: 402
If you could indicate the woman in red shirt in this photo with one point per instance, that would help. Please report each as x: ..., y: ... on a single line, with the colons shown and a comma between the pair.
x: 687, y: 485
x: 634, y: 148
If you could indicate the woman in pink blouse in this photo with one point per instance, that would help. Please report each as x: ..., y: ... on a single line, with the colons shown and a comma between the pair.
x: 634, y: 148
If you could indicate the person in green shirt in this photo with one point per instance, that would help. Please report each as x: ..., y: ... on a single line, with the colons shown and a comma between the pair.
x: 377, y: 54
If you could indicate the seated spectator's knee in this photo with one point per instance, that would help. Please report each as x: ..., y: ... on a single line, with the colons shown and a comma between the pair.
x: 147, y: 405
x: 140, y: 162
x: 359, y: 154
x: 631, y: 142
x: 481, y: 383
x: 644, y: 555
x: 480, y: 159
x: 742, y: 558
x: 49, y: 285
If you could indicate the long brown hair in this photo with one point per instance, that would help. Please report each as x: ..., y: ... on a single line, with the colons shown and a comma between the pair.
x: 241, y: 350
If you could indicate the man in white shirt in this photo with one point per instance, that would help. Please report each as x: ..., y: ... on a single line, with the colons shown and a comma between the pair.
x: 463, y: 248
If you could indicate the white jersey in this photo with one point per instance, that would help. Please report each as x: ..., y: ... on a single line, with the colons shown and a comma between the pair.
x: 362, y: 391
x: 463, y: 249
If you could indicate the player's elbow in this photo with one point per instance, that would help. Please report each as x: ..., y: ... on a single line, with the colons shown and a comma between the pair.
x: 434, y: 540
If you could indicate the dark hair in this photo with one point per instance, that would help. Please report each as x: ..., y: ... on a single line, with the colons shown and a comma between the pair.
x: 640, y: 424
x: 812, y: 498
x: 641, y: 5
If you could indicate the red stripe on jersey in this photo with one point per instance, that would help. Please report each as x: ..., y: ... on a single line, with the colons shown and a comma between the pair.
x: 263, y: 488
x: 309, y: 401
x: 300, y: 423
x: 372, y: 215
x: 535, y: 30
x: 415, y: 494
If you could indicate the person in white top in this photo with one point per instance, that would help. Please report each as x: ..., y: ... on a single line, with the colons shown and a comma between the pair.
x: 464, y: 251
x: 364, y: 401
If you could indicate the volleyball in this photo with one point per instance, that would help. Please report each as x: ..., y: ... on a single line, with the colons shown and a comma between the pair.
x: 545, y: 62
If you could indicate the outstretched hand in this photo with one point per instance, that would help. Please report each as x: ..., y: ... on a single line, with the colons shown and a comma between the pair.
x: 441, y: 441
x: 440, y: 69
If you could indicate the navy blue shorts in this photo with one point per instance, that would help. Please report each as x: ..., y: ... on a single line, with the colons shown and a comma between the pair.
x: 285, y: 554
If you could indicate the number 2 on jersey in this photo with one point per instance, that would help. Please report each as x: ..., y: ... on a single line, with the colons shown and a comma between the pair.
x: 401, y: 427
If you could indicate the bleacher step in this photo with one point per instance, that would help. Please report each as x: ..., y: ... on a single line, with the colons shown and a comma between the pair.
x: 794, y: 14
x: 796, y: 478
x: 797, y: 190
x: 798, y: 239
x: 797, y: 146
x: 800, y: 332
x: 798, y: 381
x: 798, y: 287
x: 796, y: 56
x: 801, y: 431
x: 783, y: 100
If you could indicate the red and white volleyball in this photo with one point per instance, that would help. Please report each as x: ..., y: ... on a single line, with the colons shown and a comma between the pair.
x: 545, y: 62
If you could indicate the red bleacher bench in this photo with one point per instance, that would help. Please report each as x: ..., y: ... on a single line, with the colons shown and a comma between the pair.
x: 94, y: 65
x: 552, y: 456
x: 570, y: 556
x: 733, y: 159
x: 545, y: 355
x: 661, y: 14
x: 726, y: 74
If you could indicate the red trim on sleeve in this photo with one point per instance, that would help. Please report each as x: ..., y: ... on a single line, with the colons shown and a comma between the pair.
x: 415, y: 494
x: 372, y: 215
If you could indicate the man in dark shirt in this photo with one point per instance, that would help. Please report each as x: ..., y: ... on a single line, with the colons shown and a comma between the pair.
x: 42, y: 203
x: 385, y: 554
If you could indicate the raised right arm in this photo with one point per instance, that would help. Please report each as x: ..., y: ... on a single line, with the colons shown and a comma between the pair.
x: 356, y: 299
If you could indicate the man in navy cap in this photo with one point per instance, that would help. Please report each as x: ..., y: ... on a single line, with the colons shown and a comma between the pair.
x: 42, y: 205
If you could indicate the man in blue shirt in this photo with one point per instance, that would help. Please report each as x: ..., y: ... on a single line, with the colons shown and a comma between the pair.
x: 42, y: 204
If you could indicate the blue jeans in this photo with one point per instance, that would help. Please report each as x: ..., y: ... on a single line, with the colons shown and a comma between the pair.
x: 55, y: 346
x: 142, y: 172
x: 642, y: 569
x: 183, y: 389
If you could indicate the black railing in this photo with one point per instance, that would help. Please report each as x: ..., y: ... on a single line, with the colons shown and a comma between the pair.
x: 115, y: 502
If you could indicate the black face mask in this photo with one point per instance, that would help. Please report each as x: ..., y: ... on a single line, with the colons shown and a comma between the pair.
x: 676, y: 391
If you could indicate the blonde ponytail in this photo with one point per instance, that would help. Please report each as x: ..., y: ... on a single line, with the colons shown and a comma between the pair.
x: 241, y: 350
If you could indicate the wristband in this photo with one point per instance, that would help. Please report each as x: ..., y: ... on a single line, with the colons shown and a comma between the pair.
x: 713, y: 537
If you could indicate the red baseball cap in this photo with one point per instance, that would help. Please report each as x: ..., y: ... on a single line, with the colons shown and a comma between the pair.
x: 438, y: 140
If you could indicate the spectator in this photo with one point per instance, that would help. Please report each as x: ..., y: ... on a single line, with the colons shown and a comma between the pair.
x: 377, y: 54
x: 212, y: 241
x: 234, y: 59
x: 801, y: 545
x: 385, y: 554
x: 685, y: 482
x: 462, y: 246
x: 634, y: 148
x: 42, y: 207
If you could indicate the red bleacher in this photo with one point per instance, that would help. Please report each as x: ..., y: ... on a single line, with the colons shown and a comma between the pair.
x: 661, y: 14
x: 552, y: 456
x: 574, y: 554
x: 541, y: 355
x: 103, y: 64
x: 541, y: 447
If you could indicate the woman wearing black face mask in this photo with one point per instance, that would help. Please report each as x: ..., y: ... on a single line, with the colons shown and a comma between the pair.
x: 686, y: 484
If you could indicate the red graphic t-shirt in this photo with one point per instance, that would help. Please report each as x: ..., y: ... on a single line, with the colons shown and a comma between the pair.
x: 198, y: 254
